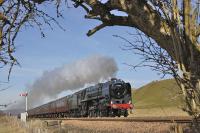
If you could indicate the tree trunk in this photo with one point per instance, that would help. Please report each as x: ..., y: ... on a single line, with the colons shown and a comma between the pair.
x: 190, y: 85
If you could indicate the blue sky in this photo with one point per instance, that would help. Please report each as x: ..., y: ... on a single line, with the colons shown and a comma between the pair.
x: 37, y: 54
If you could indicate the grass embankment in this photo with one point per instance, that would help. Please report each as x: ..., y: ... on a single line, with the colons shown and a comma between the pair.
x: 10, y: 124
x: 158, y: 98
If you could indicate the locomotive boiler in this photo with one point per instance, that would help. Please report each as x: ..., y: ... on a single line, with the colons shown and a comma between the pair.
x: 109, y: 99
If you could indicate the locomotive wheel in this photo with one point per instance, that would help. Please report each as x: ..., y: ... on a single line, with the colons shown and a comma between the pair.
x: 100, y: 114
x: 95, y: 114
x: 118, y: 115
x: 112, y: 113
x: 126, y: 113
x: 90, y: 114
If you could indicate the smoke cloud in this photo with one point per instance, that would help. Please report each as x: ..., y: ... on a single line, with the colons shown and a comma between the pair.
x: 72, y: 76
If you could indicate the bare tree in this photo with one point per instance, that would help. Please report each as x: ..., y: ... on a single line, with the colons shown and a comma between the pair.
x: 151, y: 54
x: 16, y: 14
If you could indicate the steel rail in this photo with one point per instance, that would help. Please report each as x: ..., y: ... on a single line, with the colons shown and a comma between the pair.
x: 131, y: 119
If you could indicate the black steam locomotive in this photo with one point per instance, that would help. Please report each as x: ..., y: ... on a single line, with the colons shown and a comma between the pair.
x: 112, y: 98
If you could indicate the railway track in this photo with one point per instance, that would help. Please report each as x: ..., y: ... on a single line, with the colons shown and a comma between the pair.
x: 133, y: 119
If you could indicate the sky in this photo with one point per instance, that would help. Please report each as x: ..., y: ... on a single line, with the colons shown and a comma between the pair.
x: 37, y: 55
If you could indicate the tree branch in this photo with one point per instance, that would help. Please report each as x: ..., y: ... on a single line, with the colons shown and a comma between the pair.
x: 140, y: 15
x: 97, y: 28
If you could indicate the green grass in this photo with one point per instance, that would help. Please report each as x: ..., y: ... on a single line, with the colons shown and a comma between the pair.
x: 164, y: 93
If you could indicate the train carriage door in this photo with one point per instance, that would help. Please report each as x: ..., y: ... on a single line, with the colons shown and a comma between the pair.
x: 78, y: 98
x: 74, y: 101
x: 66, y: 104
x: 83, y: 92
x: 83, y: 103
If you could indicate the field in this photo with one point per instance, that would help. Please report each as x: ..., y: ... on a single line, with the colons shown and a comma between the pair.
x: 13, y: 125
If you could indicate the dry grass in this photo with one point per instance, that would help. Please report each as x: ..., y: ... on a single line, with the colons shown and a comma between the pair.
x: 168, y: 111
x: 14, y: 125
x: 76, y: 126
x: 11, y: 125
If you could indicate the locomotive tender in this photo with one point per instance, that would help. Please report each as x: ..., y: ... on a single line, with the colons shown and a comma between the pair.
x: 109, y: 99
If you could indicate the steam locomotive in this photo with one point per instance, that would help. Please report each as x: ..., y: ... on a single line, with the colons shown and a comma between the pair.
x: 109, y: 99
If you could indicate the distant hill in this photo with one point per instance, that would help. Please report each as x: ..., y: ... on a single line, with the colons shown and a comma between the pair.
x: 164, y: 93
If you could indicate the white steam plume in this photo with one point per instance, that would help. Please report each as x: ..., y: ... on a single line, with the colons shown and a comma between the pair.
x: 71, y: 77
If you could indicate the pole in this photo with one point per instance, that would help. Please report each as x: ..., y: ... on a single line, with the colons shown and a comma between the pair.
x: 26, y: 96
x: 26, y: 104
